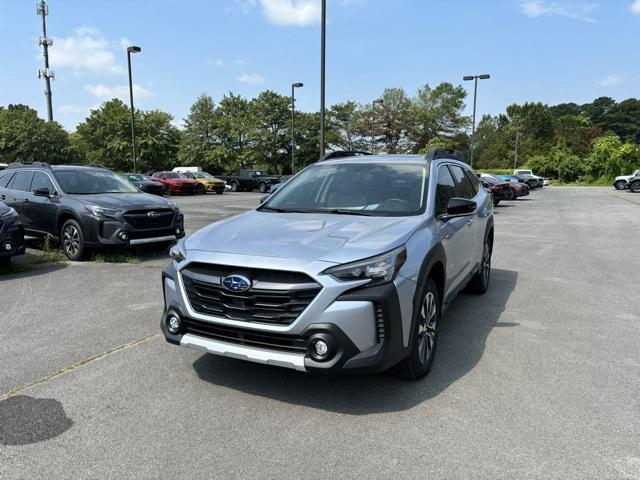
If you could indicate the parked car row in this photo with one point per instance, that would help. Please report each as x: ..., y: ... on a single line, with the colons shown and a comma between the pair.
x: 511, y: 187
x: 628, y: 182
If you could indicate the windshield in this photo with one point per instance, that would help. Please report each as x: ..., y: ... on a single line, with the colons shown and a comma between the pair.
x: 174, y: 175
x: 136, y: 177
x: 355, y: 188
x: 86, y: 182
x: 206, y: 175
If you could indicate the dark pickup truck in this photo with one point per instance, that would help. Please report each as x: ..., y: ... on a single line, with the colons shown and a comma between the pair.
x: 250, y: 180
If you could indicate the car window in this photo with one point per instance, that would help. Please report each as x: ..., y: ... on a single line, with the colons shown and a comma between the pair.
x: 21, y: 181
x: 445, y: 190
x: 42, y: 180
x: 464, y: 188
x: 473, y: 179
x: 4, y: 179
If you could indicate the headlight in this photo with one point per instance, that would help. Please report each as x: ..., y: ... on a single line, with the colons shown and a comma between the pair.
x: 178, y: 252
x: 10, y: 215
x: 101, y: 212
x: 173, y: 205
x: 380, y: 269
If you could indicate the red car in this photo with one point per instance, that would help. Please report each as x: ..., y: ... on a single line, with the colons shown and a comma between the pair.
x: 517, y: 189
x: 175, y: 183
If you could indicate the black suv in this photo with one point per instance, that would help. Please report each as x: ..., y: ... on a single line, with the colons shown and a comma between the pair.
x: 11, y: 234
x: 87, y: 207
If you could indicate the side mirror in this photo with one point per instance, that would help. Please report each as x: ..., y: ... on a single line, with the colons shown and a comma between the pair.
x: 460, y: 206
x: 42, y: 192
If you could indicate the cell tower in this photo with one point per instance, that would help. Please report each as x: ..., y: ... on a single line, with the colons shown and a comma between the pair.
x: 43, y: 10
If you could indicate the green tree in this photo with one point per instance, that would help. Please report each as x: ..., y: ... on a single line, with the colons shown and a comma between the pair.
x: 235, y: 124
x: 609, y: 157
x: 624, y: 120
x: 199, y: 137
x: 347, y: 127
x: 158, y: 141
x: 576, y: 132
x: 270, y: 135
x: 24, y: 137
x: 393, y: 120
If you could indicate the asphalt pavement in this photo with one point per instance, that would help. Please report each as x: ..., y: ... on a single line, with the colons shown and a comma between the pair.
x: 539, y: 378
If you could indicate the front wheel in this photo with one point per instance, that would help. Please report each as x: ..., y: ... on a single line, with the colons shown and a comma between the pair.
x: 479, y: 283
x: 425, y: 335
x: 262, y: 188
x: 620, y: 185
x: 72, y: 240
x: 235, y: 187
x: 495, y: 202
x: 200, y: 189
x: 635, y: 187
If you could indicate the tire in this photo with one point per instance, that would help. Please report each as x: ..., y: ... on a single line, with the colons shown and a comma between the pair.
x: 512, y: 195
x: 424, y: 338
x: 479, y: 283
x: 166, y: 191
x: 262, y: 188
x: 200, y: 189
x: 72, y: 240
x: 235, y: 187
x: 635, y: 187
x: 496, y: 202
x: 620, y: 185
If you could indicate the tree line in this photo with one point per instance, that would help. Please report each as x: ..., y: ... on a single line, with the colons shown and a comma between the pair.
x: 590, y: 143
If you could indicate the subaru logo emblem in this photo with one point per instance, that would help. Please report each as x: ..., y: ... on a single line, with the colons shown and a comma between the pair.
x: 236, y: 283
x: 152, y: 214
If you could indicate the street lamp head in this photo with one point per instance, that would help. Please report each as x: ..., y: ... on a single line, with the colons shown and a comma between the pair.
x: 297, y: 85
x: 378, y: 102
x: 133, y: 49
x: 468, y: 77
x: 484, y: 77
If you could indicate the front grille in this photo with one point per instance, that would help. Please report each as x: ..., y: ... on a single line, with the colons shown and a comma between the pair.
x: 140, y: 218
x: 250, y: 338
x: 142, y: 234
x: 275, y: 297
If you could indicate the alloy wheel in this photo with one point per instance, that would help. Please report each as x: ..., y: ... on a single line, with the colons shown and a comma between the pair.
x: 427, y: 327
x: 71, y: 240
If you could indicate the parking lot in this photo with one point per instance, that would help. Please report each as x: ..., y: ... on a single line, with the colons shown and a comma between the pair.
x: 539, y: 378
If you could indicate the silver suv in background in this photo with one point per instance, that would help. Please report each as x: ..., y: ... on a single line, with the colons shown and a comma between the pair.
x: 348, y: 267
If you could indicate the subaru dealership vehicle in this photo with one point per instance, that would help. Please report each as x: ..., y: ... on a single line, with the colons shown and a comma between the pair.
x: 347, y: 267
x: 622, y: 182
x: 205, y: 182
x: 145, y: 184
x: 250, y: 180
x: 527, y: 175
x: 87, y: 207
x: 11, y: 234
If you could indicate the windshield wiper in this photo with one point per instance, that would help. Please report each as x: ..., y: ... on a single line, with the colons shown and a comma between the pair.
x: 346, y: 211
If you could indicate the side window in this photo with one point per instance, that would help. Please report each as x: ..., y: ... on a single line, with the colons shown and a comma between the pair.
x: 42, y: 180
x: 463, y: 185
x: 473, y: 179
x: 21, y: 181
x: 445, y: 190
x: 4, y: 179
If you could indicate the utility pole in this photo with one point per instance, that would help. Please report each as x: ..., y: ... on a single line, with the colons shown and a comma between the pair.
x: 293, y: 118
x: 42, y: 10
x: 373, y: 124
x: 515, y: 157
x: 323, y: 38
x: 475, y: 79
x: 130, y: 50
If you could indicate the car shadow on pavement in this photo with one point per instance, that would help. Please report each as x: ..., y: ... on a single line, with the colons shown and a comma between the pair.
x: 463, y: 335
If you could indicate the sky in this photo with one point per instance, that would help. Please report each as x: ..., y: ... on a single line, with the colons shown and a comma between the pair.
x: 552, y: 51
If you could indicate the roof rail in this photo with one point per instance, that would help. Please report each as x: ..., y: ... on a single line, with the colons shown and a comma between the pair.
x: 343, y: 154
x: 27, y: 165
x: 437, y: 153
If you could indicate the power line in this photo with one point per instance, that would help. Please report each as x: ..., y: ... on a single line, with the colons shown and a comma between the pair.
x: 42, y: 10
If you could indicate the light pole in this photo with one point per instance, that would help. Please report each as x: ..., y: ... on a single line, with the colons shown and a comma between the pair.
x: 475, y: 94
x: 293, y: 113
x: 130, y: 50
x: 323, y: 38
x: 373, y: 123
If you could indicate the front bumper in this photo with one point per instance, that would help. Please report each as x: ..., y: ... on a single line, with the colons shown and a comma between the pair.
x: 108, y: 232
x: 11, y: 235
x: 363, y: 327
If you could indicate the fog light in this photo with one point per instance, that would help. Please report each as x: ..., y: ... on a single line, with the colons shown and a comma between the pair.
x: 178, y: 231
x: 124, y: 236
x: 8, y: 247
x: 321, y: 348
x: 173, y: 323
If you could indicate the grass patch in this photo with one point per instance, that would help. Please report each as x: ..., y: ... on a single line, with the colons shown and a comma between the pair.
x: 50, y: 254
x: 116, y: 257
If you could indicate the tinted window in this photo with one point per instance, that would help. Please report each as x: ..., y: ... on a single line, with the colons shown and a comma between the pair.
x: 445, y: 190
x: 473, y: 179
x: 375, y: 189
x: 4, y: 179
x: 21, y: 181
x: 84, y: 182
x: 463, y: 186
x: 42, y: 180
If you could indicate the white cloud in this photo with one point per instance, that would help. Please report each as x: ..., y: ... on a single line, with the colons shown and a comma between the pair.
x: 87, y: 50
x: 572, y: 9
x: 250, y: 79
x: 118, y: 91
x: 635, y: 6
x: 609, y: 81
x: 291, y: 12
x: 220, y: 63
x: 68, y: 109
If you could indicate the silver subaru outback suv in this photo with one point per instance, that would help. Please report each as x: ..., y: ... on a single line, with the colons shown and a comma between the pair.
x: 348, y: 267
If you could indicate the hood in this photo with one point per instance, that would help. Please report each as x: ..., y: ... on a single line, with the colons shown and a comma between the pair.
x: 146, y: 183
x: 182, y: 181
x: 309, y: 236
x: 124, y: 201
x: 624, y: 177
x: 3, y: 209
